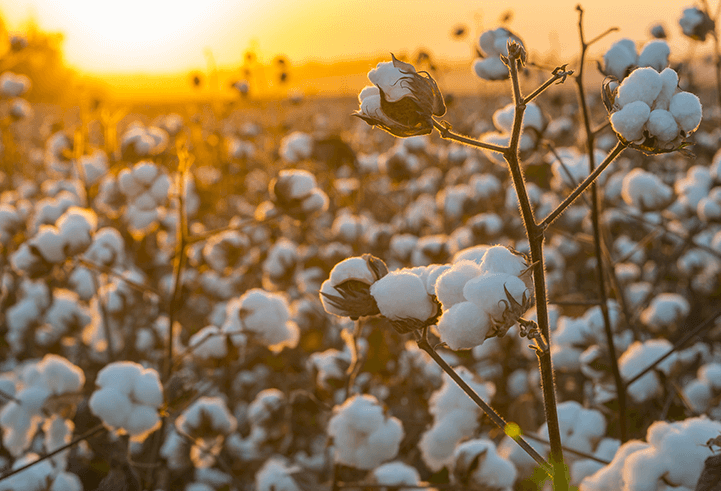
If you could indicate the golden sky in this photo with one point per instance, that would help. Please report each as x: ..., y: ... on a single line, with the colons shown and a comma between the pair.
x: 161, y: 36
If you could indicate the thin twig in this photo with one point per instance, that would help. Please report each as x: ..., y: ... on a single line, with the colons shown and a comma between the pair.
x: 620, y: 147
x: 569, y: 450
x: 423, y: 344
x: 708, y: 323
x: 559, y: 75
x: 88, y: 434
x: 449, y: 135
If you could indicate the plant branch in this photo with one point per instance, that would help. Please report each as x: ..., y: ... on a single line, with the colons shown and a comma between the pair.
x: 620, y: 147
x: 88, y: 434
x: 559, y: 76
x: 423, y: 344
x: 449, y: 135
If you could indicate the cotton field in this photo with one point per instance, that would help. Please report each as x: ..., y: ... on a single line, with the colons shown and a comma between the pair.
x: 400, y: 290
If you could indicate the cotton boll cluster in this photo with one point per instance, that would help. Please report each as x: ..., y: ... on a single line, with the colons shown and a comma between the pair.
x: 261, y: 317
x: 636, y: 358
x: 674, y: 457
x: 296, y: 193
x: 477, y: 464
x: 666, y: 312
x: 145, y: 188
x: 295, y: 147
x: 42, y: 390
x: 227, y: 252
x: 64, y: 316
x: 694, y: 187
x: 482, y: 300
x: 127, y: 399
x: 363, y: 436
x: 53, y: 244
x: 646, y: 191
x: 494, y: 44
x: 140, y: 142
x: 649, y: 104
x: 702, y: 393
x: 455, y: 416
x: 13, y: 85
x: 206, y: 423
x: 622, y: 57
x: 532, y: 128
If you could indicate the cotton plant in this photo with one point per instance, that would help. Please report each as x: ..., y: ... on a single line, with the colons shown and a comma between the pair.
x: 127, y: 399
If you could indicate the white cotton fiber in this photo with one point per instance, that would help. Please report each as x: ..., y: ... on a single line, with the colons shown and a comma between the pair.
x: 449, y: 286
x: 654, y: 54
x: 630, y: 120
x: 669, y: 79
x: 402, y: 295
x: 662, y: 124
x: 686, y: 109
x: 643, y: 84
x: 619, y: 58
x: 464, y: 326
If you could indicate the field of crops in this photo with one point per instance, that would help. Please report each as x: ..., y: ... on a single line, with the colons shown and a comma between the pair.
x: 408, y: 289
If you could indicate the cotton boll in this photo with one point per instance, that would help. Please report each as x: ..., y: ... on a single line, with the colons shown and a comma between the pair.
x: 50, y: 244
x: 113, y: 407
x: 276, y: 475
x: 475, y: 462
x: 619, y: 58
x: 643, y: 84
x: 666, y: 310
x: 488, y: 292
x: 654, y: 54
x: 630, y: 120
x: 699, y: 395
x: 711, y: 374
x: 636, y: 358
x: 464, y: 326
x: 686, y: 109
x: 490, y: 68
x: 645, y: 190
x: 662, y: 124
x: 401, y: 295
x: 499, y: 259
x: 503, y: 118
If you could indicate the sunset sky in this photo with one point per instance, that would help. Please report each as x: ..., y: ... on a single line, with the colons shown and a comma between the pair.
x: 160, y: 36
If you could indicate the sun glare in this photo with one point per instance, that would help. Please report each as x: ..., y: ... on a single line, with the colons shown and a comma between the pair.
x: 133, y: 34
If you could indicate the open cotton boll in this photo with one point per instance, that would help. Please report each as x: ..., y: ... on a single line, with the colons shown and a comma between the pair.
x: 711, y: 374
x: 609, y: 477
x: 208, y: 343
x: 654, y: 54
x: 464, y: 326
x: 488, y: 292
x: 662, y: 124
x: 630, y: 120
x: 296, y: 146
x: 666, y: 310
x: 491, y: 68
x: 643, y: 84
x: 449, y: 286
x: 686, y: 109
x: 503, y: 118
x: 363, y: 436
x: 50, y: 244
x: 476, y: 463
x: 636, y: 358
x: 645, y: 190
x: 619, y: 58
x: 402, y: 295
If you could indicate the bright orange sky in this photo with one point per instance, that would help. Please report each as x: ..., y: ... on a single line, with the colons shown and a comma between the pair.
x: 160, y: 36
